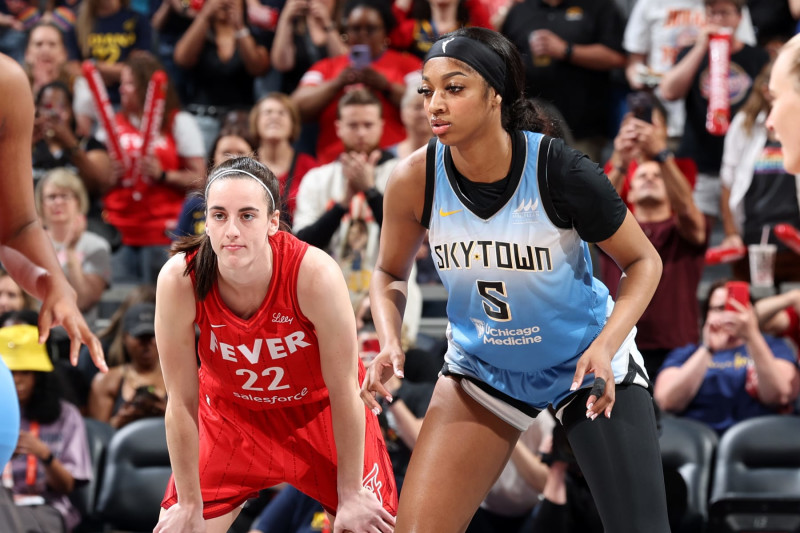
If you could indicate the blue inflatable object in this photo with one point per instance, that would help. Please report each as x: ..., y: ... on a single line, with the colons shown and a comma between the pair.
x: 9, y: 415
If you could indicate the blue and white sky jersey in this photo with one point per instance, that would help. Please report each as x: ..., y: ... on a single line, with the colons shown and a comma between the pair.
x: 521, y: 292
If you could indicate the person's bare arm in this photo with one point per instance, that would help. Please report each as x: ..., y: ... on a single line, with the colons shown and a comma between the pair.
x: 187, y: 177
x: 89, y: 287
x: 110, y: 72
x: 732, y: 237
x: 401, y: 236
x: 772, y: 317
x: 103, y: 393
x: 312, y: 99
x: 25, y: 249
x: 691, y: 223
x: 174, y: 326
x: 188, y: 48
x: 641, y: 271
x: 530, y: 466
x: 408, y: 425
x: 596, y: 57
x: 676, y: 386
x: 652, y: 140
x: 590, y: 56
x: 631, y: 70
x: 254, y: 56
x: 778, y: 379
x: 94, y: 168
x: 625, y: 150
x: 283, y: 53
x: 57, y: 477
x: 677, y: 81
x: 794, y: 7
x: 320, y: 279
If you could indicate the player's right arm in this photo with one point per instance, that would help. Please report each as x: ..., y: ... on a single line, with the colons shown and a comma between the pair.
x: 175, y: 315
x: 401, y: 235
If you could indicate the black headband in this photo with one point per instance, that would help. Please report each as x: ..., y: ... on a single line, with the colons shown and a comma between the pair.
x: 477, y: 55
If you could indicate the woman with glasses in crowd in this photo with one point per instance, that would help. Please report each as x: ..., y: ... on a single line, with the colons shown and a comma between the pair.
x: 369, y: 62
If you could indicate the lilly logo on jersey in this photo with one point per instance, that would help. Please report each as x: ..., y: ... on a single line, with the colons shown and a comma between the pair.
x: 278, y: 348
x: 506, y: 336
x: 278, y: 318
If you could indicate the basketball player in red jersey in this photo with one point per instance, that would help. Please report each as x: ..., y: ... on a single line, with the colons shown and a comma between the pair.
x: 25, y: 249
x: 277, y: 394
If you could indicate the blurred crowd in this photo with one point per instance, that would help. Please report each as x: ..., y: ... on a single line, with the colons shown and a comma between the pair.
x: 324, y: 93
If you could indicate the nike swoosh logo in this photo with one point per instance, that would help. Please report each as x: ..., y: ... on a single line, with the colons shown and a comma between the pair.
x: 218, y: 326
x: 448, y: 213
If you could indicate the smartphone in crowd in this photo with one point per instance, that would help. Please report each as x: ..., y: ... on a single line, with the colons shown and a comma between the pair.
x: 640, y: 103
x: 739, y: 291
x: 360, y: 56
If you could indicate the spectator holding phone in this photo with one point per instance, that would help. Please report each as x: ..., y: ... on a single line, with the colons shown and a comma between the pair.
x: 647, y: 175
x: 307, y: 32
x: 136, y: 388
x: 735, y: 373
x: 369, y: 63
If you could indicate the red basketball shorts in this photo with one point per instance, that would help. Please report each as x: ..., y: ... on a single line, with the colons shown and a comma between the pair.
x: 244, y: 451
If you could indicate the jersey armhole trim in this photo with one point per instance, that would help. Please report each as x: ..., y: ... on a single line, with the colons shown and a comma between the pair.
x: 430, y: 180
x: 544, y: 189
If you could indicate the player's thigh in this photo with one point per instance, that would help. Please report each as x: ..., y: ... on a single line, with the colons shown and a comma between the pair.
x: 461, y: 450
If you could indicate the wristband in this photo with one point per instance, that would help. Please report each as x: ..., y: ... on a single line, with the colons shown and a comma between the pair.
x: 662, y: 156
x: 47, y: 461
x: 72, y: 150
x: 568, y: 52
x: 707, y: 348
x: 241, y: 34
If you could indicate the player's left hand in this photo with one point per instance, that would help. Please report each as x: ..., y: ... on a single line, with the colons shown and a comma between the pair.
x: 362, y: 512
x: 603, y: 392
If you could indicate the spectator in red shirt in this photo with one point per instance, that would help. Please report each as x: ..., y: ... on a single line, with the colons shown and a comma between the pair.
x: 367, y: 22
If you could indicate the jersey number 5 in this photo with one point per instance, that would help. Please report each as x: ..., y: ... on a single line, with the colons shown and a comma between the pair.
x: 494, y: 306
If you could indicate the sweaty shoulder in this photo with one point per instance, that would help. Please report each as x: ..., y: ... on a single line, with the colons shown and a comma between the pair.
x: 581, y: 193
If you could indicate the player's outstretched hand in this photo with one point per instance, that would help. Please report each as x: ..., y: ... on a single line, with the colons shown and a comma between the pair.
x: 603, y: 393
x: 181, y: 519
x: 390, y: 361
x: 60, y: 309
x: 362, y: 512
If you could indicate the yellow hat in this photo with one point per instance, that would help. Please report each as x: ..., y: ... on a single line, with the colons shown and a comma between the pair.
x: 20, y: 349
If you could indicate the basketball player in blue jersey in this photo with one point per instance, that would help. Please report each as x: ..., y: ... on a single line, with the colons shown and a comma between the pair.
x: 25, y: 248
x: 509, y: 213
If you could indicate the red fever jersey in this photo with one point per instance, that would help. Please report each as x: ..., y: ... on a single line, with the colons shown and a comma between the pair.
x: 264, y: 413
